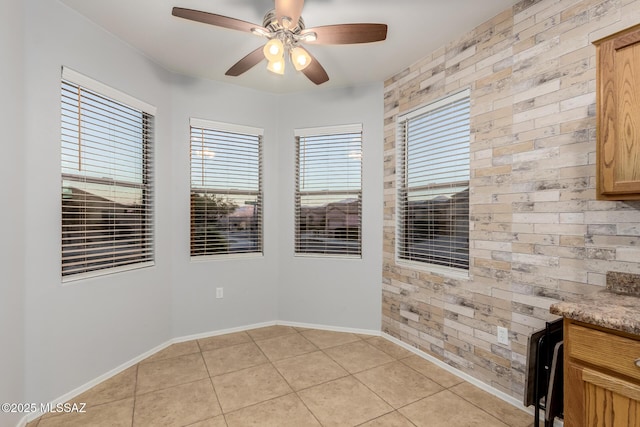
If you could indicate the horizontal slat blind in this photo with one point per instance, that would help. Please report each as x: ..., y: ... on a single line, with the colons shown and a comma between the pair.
x: 328, y: 211
x: 226, y: 190
x: 433, y: 187
x: 107, y: 195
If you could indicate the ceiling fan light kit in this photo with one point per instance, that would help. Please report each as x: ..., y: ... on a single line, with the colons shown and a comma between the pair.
x: 300, y: 58
x: 276, y: 66
x: 282, y: 40
x: 285, y: 29
x: 273, y: 50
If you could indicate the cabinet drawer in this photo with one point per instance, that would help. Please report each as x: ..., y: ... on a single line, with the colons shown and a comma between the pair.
x: 603, y: 349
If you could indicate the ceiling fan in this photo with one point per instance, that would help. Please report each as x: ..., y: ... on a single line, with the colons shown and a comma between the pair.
x: 285, y: 29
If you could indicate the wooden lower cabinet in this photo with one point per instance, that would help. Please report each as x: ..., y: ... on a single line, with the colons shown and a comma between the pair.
x: 601, y: 377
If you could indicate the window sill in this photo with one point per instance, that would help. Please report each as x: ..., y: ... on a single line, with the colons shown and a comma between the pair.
x: 328, y: 256
x: 227, y: 257
x: 452, y: 273
x: 105, y: 272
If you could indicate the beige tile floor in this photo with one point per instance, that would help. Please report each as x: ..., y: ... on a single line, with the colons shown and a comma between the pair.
x: 282, y: 376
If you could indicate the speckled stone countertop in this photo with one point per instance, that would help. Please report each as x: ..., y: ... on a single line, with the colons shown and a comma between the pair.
x: 604, y: 308
x: 617, y: 307
x: 623, y: 283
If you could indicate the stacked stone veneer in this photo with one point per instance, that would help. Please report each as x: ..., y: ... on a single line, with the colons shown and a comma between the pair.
x: 538, y: 235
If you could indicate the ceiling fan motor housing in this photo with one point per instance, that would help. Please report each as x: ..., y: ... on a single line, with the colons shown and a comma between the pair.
x: 270, y: 22
x: 290, y: 37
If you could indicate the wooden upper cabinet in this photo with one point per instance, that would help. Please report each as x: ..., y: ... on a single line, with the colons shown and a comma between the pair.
x: 618, y: 116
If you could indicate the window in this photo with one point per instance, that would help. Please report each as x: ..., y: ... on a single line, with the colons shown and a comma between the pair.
x: 226, y: 189
x: 433, y: 184
x: 329, y: 191
x: 107, y: 185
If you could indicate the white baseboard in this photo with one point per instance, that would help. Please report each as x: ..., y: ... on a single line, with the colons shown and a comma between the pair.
x: 468, y: 378
x: 374, y: 333
x: 94, y: 382
x: 222, y: 332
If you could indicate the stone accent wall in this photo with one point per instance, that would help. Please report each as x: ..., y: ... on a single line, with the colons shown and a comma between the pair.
x: 537, y: 233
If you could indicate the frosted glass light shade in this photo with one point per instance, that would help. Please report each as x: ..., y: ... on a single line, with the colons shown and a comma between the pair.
x: 273, y: 50
x: 300, y: 58
x: 276, y: 66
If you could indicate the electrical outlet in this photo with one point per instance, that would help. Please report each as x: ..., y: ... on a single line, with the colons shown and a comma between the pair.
x: 219, y: 292
x: 503, y: 335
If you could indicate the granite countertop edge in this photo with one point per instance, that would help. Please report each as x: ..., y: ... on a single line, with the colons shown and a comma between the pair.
x: 605, y: 309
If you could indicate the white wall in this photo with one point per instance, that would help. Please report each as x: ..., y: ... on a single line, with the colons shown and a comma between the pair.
x: 277, y: 286
x: 250, y: 284
x: 333, y: 291
x: 76, y: 332
x: 11, y: 222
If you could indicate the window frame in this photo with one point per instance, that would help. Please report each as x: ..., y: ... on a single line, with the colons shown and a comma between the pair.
x: 259, y: 193
x: 337, y: 130
x: 402, y: 173
x: 76, y: 80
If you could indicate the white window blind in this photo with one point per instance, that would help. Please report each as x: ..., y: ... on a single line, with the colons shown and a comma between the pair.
x: 107, y: 190
x: 433, y: 184
x: 226, y: 189
x: 328, y: 210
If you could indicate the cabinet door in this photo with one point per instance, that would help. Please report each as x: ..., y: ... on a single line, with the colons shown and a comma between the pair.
x: 610, y: 401
x: 618, y: 124
x: 574, y: 413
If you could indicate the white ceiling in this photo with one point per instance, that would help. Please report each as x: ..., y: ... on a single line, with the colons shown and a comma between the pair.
x: 416, y: 28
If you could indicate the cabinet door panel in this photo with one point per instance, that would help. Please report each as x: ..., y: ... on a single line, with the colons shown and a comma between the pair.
x: 627, y: 170
x: 609, y: 401
x: 604, y: 350
x: 607, y: 118
x: 618, y: 116
x: 574, y: 398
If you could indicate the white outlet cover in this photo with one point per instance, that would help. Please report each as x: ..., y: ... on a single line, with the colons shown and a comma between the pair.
x: 219, y: 292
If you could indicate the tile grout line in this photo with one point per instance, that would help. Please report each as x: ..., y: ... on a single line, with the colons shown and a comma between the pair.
x: 395, y: 360
x: 472, y: 403
x: 315, y: 385
x: 353, y: 376
x: 135, y: 389
x: 446, y: 389
x: 350, y: 374
x: 215, y: 393
x: 322, y: 350
x: 295, y: 392
x: 393, y: 409
x: 239, y: 370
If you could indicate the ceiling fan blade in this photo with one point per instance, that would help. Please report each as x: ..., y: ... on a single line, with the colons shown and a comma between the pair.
x: 291, y: 9
x: 246, y: 63
x: 315, y: 72
x: 348, y: 33
x: 213, y: 19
